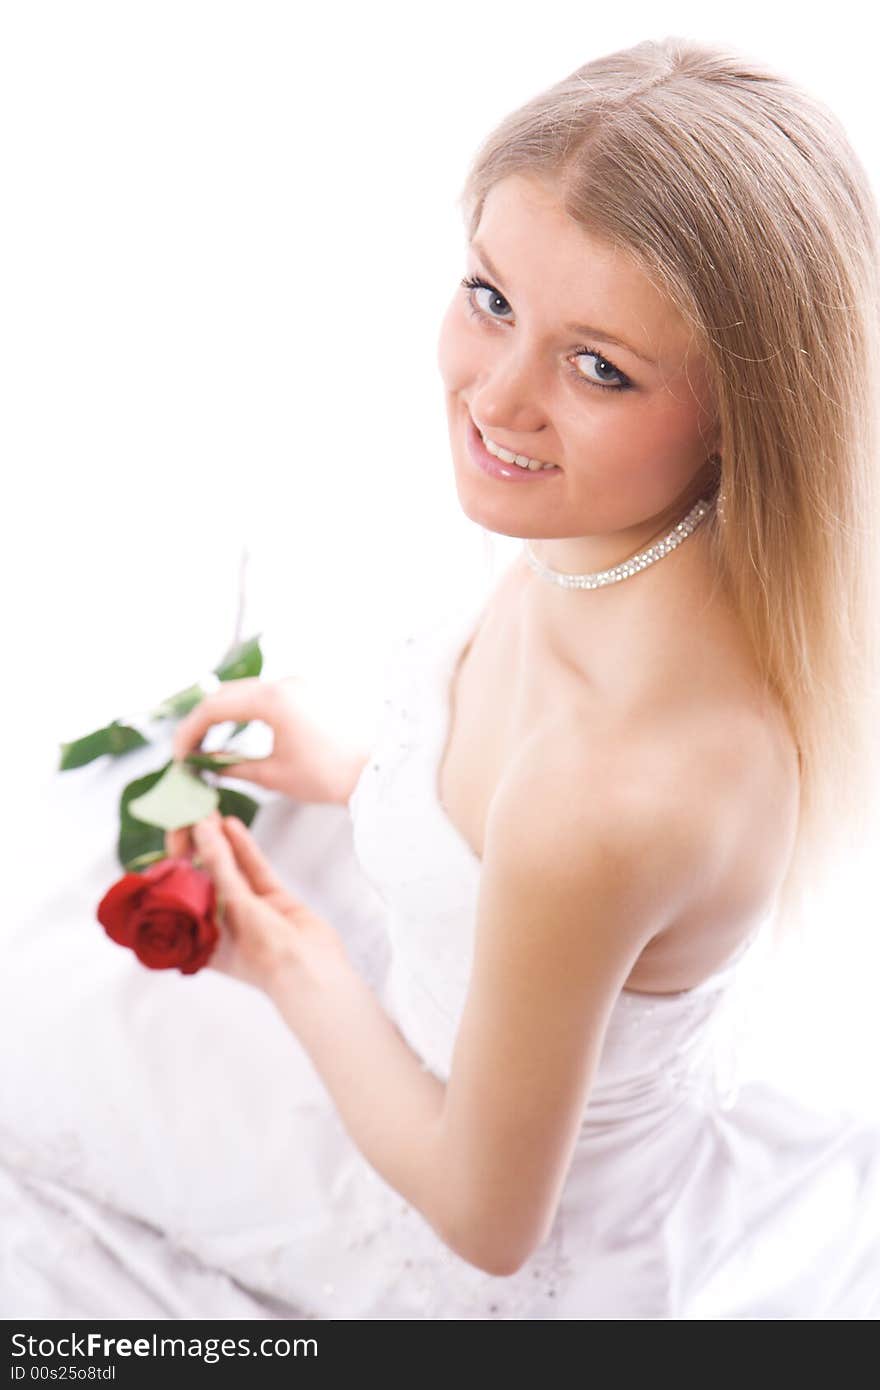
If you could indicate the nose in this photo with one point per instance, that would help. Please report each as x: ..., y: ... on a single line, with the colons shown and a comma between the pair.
x: 508, y: 394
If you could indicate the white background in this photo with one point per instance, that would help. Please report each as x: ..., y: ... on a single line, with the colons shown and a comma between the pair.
x: 229, y: 235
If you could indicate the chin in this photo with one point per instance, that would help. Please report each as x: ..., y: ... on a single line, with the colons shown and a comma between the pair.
x: 481, y: 516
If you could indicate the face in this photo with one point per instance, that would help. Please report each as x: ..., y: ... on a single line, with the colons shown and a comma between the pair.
x: 628, y: 424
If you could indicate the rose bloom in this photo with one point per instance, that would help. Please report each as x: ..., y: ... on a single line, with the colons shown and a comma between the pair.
x: 166, y: 915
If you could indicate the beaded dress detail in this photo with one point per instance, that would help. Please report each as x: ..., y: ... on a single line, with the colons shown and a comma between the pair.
x: 689, y: 1195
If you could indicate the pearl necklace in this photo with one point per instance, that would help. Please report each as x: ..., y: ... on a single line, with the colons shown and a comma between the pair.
x: 636, y: 562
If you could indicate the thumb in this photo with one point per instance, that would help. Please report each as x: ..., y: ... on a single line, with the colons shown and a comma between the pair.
x: 214, y: 851
x: 256, y: 770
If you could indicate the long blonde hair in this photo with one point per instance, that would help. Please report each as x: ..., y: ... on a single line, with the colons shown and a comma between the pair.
x: 742, y: 199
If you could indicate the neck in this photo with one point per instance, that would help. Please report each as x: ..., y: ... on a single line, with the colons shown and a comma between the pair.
x: 590, y: 554
x: 622, y: 635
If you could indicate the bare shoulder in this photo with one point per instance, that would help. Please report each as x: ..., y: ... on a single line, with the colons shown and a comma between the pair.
x: 578, y: 801
x: 689, y: 818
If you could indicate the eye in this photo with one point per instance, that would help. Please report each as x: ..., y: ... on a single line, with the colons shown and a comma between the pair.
x: 603, y: 364
x: 474, y: 283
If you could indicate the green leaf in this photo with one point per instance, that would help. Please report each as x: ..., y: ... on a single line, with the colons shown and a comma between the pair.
x: 245, y: 659
x: 179, y: 798
x: 176, y: 706
x: 135, y: 838
x: 215, y: 762
x: 142, y: 860
x: 235, y: 803
x: 115, y: 739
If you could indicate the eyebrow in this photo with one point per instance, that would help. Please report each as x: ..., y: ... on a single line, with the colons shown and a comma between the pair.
x: 584, y: 328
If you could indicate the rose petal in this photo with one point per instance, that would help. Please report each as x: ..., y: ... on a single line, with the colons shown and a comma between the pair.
x: 185, y: 889
x: 163, y: 940
x: 166, y: 915
x: 208, y: 944
x: 154, y: 873
x: 117, y: 905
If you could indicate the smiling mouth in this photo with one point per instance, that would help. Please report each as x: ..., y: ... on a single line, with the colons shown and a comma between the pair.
x: 522, y: 461
x: 489, y: 461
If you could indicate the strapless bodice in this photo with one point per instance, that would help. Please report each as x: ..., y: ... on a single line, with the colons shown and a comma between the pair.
x: 658, y: 1050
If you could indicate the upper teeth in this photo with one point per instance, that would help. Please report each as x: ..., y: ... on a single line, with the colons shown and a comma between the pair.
x: 521, y: 460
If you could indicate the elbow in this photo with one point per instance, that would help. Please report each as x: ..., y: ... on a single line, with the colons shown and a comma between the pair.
x: 489, y: 1245
x: 502, y: 1264
x: 490, y: 1259
x: 494, y: 1224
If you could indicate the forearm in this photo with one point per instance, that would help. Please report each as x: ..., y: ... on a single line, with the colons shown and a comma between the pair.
x: 390, y: 1104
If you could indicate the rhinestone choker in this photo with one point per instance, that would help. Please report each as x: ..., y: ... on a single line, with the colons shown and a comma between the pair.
x: 636, y: 562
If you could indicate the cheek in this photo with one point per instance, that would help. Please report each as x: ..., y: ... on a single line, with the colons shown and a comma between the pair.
x: 455, y: 349
x: 637, y: 455
x: 678, y: 434
x: 660, y: 432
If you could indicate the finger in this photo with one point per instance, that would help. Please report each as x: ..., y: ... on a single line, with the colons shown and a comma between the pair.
x: 215, y: 853
x: 178, y: 843
x: 236, y: 700
x: 253, y: 863
x: 258, y: 770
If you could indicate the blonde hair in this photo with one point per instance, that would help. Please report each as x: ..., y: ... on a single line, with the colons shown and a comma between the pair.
x: 740, y: 197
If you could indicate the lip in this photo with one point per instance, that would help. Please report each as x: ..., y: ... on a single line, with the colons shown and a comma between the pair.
x: 495, y: 467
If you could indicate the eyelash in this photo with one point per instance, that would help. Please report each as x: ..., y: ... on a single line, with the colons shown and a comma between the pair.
x: 476, y: 282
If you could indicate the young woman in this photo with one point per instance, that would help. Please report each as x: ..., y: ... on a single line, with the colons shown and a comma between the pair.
x: 589, y: 800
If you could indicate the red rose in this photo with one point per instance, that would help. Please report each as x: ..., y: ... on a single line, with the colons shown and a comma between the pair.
x: 165, y: 914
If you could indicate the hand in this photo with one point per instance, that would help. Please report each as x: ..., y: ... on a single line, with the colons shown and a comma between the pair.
x: 306, y: 762
x: 264, y: 929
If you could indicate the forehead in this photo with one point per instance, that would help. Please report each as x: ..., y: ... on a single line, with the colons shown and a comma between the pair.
x: 571, y: 275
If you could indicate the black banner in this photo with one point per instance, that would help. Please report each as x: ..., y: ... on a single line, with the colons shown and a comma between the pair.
x: 141, y: 1353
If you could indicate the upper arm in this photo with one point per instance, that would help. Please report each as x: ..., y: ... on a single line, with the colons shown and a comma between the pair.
x: 580, y: 870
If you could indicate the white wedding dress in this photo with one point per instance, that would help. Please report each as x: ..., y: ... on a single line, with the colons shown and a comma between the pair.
x: 167, y: 1150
